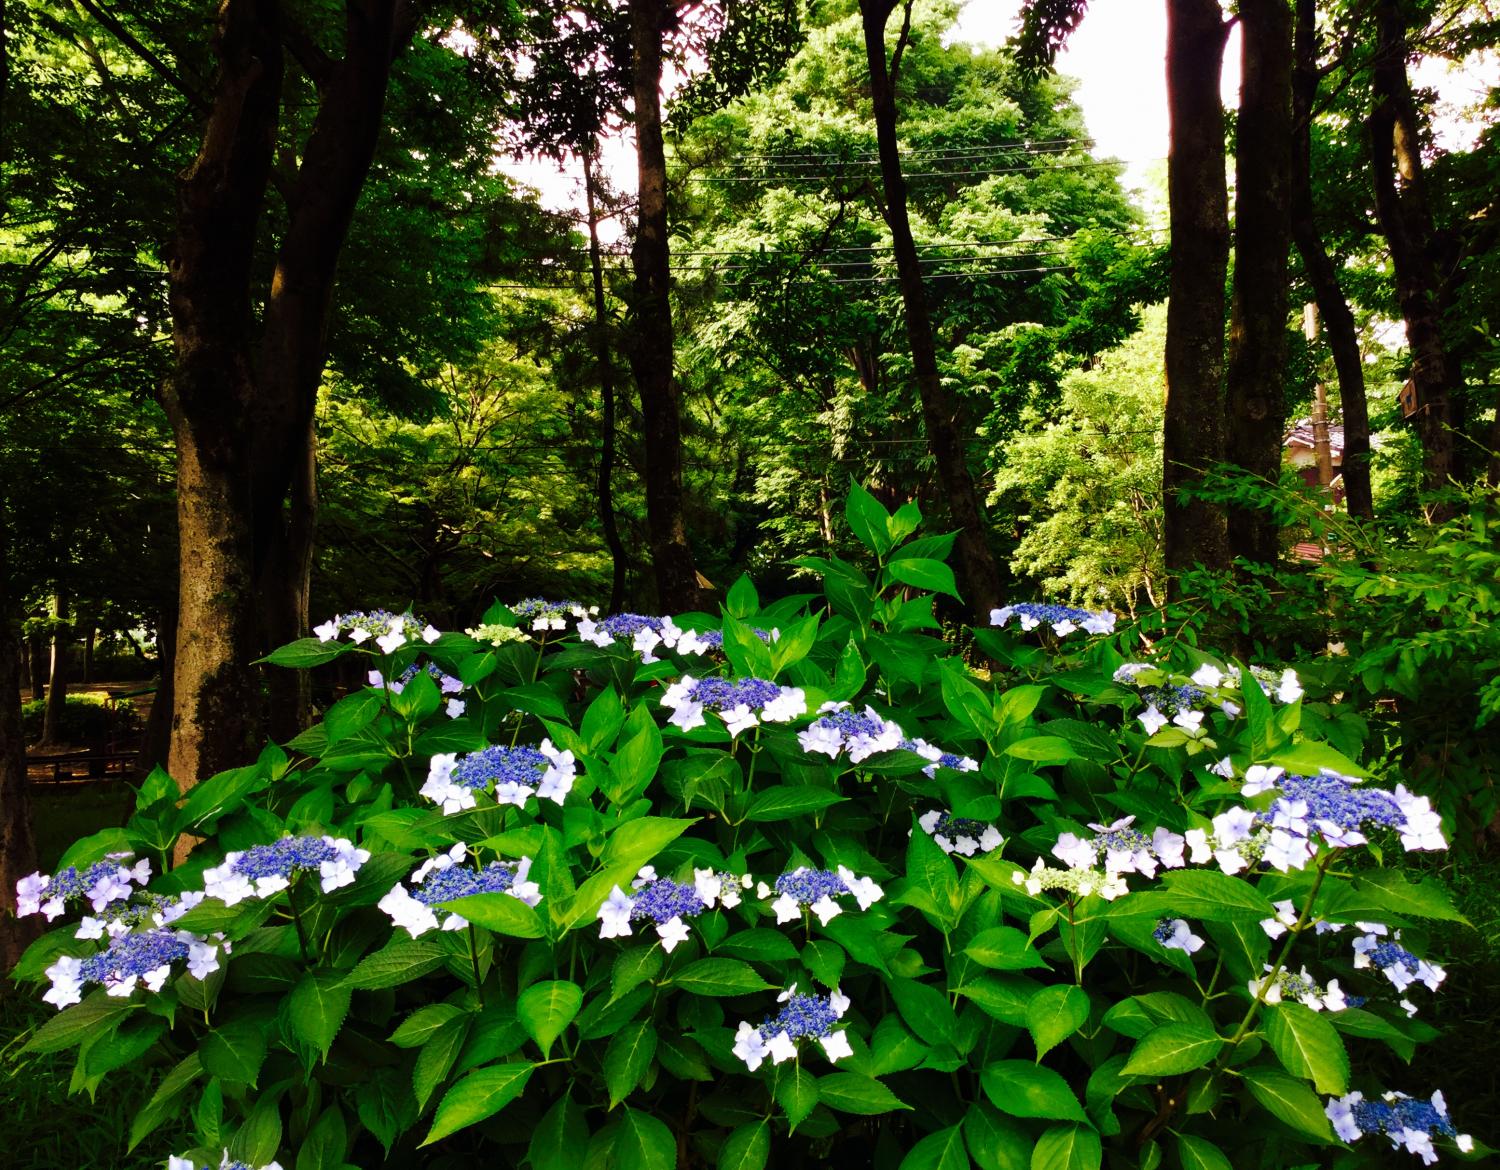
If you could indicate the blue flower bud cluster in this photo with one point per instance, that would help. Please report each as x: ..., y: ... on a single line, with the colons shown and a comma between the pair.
x: 1331, y: 798
x: 663, y: 899
x: 1173, y: 700
x: 362, y: 625
x: 459, y: 881
x: 500, y: 765
x: 722, y: 694
x: 1407, y: 1121
x: 540, y: 609
x: 803, y: 1017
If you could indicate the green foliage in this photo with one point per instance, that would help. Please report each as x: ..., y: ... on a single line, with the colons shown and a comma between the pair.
x: 995, y: 1015
x: 88, y: 718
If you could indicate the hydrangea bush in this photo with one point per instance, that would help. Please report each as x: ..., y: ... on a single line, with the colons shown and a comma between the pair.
x: 792, y: 885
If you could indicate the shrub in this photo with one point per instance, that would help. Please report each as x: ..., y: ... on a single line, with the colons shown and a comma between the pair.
x: 654, y: 893
x: 87, y: 718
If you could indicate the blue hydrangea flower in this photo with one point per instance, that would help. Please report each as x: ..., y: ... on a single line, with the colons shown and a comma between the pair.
x: 390, y: 630
x: 662, y: 901
x: 444, y: 878
x: 135, y: 958
x: 816, y: 889
x: 512, y: 774
x: 959, y: 835
x: 741, y: 703
x: 1396, y: 963
x: 551, y: 615
x: 104, y: 883
x: 264, y: 870
x: 803, y: 1017
x: 1176, y: 934
x: 1408, y: 1122
x: 184, y: 1163
x: 1063, y: 619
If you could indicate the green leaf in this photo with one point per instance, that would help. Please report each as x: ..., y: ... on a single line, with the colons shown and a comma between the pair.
x: 436, y: 1059
x: 1388, y: 892
x: 164, y: 1102
x: 634, y: 967
x: 234, y: 1051
x: 719, y: 977
x: 943, y: 1150
x: 326, y: 1142
x: 418, y: 1027
x: 923, y: 573
x: 306, y: 652
x: 995, y: 1142
x: 797, y: 1094
x: 1043, y: 749
x: 317, y: 1007
x: 1023, y: 1089
x: 788, y: 803
x: 636, y: 842
x: 1067, y: 1147
x: 1173, y: 1048
x: 503, y: 913
x: 965, y: 701
x: 259, y: 1138
x: 868, y: 520
x: 1054, y: 1014
x: 83, y: 1021
x: 1198, y: 1154
x: 545, y: 1009
x: 747, y: 1148
x: 400, y: 961
x: 1207, y: 895
x: 479, y: 1095
x: 760, y: 945
x: 1308, y: 1046
x: 1309, y: 757
x: 603, y: 720
x: 853, y: 1093
x: 627, y: 1058
x: 742, y: 601
x: 926, y: 1010
x: 1291, y: 1101
x: 561, y: 1139
x: 643, y: 1143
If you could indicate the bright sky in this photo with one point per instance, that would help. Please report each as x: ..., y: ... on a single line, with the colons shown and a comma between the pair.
x: 1118, y: 54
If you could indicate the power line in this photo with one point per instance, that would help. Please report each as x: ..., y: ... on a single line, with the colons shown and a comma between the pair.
x: 978, y: 172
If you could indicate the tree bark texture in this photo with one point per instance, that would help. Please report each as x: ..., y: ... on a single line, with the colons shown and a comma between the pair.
x: 651, y: 350
x: 244, y: 413
x: 1322, y: 275
x: 215, y: 722
x: 1405, y: 217
x: 941, y: 411
x: 1255, y: 378
x: 36, y: 666
x: 17, y: 842
x: 1198, y: 201
x: 605, y: 481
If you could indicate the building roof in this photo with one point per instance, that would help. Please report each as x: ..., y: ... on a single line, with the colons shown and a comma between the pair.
x: 1301, y: 435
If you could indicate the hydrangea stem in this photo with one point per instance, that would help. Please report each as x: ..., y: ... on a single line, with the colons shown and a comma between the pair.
x: 474, y: 962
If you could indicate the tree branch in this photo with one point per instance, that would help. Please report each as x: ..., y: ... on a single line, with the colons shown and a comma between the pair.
x: 158, y: 66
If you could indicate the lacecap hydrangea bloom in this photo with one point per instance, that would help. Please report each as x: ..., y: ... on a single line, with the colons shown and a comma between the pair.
x: 136, y: 958
x: 804, y: 1017
x: 512, y: 774
x: 1176, y: 935
x: 1301, y: 987
x: 1408, y: 1122
x: 496, y: 634
x: 959, y: 834
x: 815, y: 890
x: 1119, y: 848
x: 444, y: 878
x: 1080, y: 883
x: 1395, y: 962
x: 1063, y: 619
x: 264, y: 870
x: 447, y: 684
x: 103, y: 883
x: 663, y: 901
x: 550, y: 615
x: 184, y: 1163
x: 390, y: 630
x: 861, y: 734
x: 740, y: 703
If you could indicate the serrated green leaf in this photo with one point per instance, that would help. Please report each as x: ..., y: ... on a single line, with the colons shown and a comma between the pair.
x: 1067, y: 1147
x: 787, y: 803
x: 326, y: 1142
x: 436, y: 1058
x: 643, y: 1143
x: 853, y: 1093
x: 546, y: 1009
x: 1173, y: 1048
x: 1308, y: 1046
x: 258, y: 1139
x: 1054, y: 1014
x: 234, y: 1051
x: 400, y: 961
x: 627, y: 1058
x: 719, y: 977
x: 1291, y: 1101
x: 797, y: 1094
x: 83, y: 1021
x: 943, y: 1150
x: 747, y: 1147
x: 317, y: 1007
x: 1199, y: 1154
x: 501, y: 912
x: 479, y: 1095
x: 1206, y: 895
x: 418, y: 1027
x: 561, y: 1139
x: 1023, y: 1089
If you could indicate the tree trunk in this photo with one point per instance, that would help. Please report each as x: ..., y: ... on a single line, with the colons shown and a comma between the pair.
x: 1338, y: 321
x: 605, y: 493
x: 1255, y: 390
x: 1193, y: 430
x: 156, y: 736
x: 216, y: 719
x: 941, y: 412
x: 89, y: 637
x: 57, y: 684
x: 1406, y: 222
x: 36, y: 666
x: 651, y: 350
x: 294, y: 347
x: 17, y: 843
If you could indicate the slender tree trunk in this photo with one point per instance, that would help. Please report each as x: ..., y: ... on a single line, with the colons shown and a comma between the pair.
x: 294, y: 348
x: 1338, y: 321
x: 156, y: 736
x: 36, y: 666
x: 217, y: 703
x: 1406, y: 222
x: 1193, y: 431
x: 17, y: 842
x: 57, y: 684
x: 941, y: 412
x: 1255, y: 379
x: 605, y: 492
x: 651, y: 352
